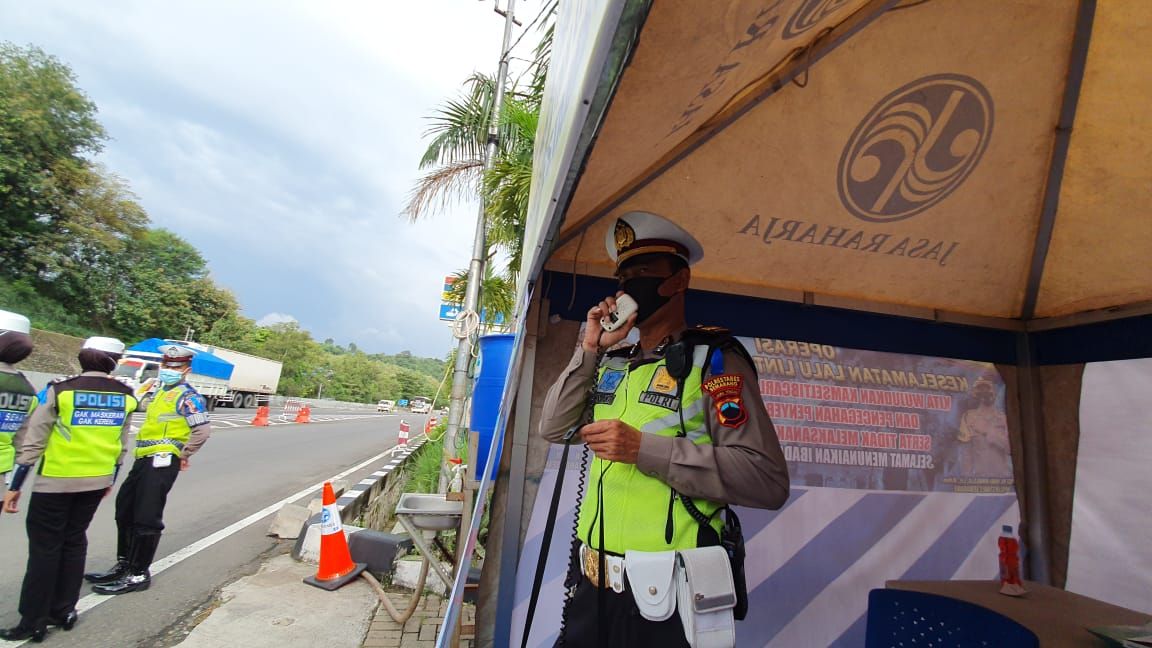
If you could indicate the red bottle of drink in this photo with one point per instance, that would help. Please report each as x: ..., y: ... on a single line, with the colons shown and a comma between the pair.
x: 1010, y: 583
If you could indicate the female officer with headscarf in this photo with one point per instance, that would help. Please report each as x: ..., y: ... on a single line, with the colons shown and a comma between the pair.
x: 79, y: 437
x: 17, y: 396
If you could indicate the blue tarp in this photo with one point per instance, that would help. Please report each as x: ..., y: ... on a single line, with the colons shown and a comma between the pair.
x: 203, y: 363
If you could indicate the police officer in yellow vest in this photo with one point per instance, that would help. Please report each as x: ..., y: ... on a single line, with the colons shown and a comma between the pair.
x: 175, y: 427
x: 79, y: 437
x: 669, y: 431
x: 17, y: 396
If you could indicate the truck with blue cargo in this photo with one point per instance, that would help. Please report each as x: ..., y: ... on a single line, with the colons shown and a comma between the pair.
x: 224, y: 377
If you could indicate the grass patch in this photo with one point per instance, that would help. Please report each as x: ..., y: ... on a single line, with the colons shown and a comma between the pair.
x: 53, y: 353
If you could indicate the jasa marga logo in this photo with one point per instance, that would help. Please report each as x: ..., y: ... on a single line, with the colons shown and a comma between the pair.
x: 916, y: 147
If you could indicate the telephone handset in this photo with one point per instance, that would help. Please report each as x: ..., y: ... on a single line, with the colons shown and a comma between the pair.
x: 625, y: 307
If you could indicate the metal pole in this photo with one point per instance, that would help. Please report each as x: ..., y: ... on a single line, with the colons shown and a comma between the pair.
x: 476, y: 267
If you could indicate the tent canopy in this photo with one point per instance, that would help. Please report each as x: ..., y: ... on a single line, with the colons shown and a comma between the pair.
x: 959, y: 178
x: 965, y: 162
x: 203, y: 363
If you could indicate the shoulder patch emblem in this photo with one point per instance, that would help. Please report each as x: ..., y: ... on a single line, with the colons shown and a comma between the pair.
x: 727, y: 400
x: 723, y: 384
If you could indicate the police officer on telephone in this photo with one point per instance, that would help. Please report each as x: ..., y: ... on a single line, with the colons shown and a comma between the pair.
x: 677, y: 423
x: 17, y: 396
x: 175, y: 427
x: 78, y: 437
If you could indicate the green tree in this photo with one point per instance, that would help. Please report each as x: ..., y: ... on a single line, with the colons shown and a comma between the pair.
x: 47, y: 127
x: 300, y: 354
x: 453, y: 161
x: 165, y: 289
x: 497, y: 293
x: 236, y: 332
x: 83, y: 259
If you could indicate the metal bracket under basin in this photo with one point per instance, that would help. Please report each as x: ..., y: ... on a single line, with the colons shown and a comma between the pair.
x: 420, y: 512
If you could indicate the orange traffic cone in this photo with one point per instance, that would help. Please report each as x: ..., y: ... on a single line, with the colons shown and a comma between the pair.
x: 336, y: 566
x: 304, y: 415
x: 402, y: 436
x: 261, y: 419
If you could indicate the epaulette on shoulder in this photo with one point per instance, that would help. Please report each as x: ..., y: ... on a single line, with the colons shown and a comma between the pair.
x: 707, y: 333
x: 61, y: 379
x: 189, y: 389
x: 720, y: 338
x: 621, y: 352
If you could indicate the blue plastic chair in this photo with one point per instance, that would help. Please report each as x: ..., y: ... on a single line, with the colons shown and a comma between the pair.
x: 906, y: 619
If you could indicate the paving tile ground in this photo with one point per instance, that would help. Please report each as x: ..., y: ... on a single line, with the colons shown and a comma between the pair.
x: 421, y: 629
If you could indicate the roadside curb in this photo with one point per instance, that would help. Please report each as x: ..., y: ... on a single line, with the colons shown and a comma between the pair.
x: 353, y: 500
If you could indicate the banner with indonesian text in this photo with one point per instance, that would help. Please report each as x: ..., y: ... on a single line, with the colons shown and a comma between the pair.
x: 849, y: 418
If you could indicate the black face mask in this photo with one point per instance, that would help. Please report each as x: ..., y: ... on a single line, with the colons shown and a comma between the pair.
x: 646, y: 292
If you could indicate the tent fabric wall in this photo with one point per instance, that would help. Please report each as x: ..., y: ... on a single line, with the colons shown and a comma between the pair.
x: 1060, y: 387
x: 1111, y: 558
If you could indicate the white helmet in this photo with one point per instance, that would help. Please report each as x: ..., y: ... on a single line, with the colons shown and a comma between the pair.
x: 14, y: 322
x: 105, y: 344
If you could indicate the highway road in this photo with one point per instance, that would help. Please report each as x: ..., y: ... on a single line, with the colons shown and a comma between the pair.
x: 240, y: 471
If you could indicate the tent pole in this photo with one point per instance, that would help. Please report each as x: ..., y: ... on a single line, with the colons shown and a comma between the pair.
x: 1035, y: 515
x: 514, y: 501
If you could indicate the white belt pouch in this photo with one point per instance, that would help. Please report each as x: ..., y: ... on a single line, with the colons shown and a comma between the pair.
x: 651, y: 575
x: 706, y: 596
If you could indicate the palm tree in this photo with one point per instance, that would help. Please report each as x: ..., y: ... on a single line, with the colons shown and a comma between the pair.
x: 498, y: 294
x: 454, y: 164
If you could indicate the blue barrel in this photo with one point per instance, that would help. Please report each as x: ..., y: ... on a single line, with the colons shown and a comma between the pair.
x: 495, y: 352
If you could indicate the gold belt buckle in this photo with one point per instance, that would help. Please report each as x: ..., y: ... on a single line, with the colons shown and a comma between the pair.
x: 592, y: 565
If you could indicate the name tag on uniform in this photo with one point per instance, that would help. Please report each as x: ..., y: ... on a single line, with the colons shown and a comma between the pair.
x: 162, y: 460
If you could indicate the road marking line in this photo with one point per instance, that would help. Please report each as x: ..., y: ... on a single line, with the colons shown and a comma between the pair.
x: 92, y: 600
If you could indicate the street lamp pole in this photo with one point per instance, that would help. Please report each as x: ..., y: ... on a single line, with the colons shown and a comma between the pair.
x: 476, y: 267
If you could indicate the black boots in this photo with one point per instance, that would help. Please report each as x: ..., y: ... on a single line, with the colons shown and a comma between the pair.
x: 131, y: 582
x: 120, y: 569
x: 135, y: 577
x: 21, y: 632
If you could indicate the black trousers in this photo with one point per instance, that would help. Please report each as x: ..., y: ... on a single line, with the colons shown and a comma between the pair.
x: 57, y: 525
x: 623, y: 624
x: 140, y: 502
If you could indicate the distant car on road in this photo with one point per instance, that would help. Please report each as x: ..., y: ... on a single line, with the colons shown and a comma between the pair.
x: 386, y: 406
x: 421, y: 406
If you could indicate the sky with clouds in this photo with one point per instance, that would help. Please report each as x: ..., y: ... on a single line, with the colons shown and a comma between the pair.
x: 281, y: 137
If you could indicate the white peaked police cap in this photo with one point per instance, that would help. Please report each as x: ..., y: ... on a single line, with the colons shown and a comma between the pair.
x: 175, y: 355
x: 105, y: 344
x: 10, y: 321
x: 639, y: 232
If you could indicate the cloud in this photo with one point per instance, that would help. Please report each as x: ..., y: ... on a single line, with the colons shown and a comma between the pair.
x: 271, y: 319
x: 281, y: 138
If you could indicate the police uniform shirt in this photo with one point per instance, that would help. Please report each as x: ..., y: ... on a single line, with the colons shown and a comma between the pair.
x: 15, y: 410
x: 35, y: 442
x: 194, y: 408
x: 743, y: 466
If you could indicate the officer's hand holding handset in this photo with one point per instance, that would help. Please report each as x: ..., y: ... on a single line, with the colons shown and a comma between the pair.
x: 596, y: 336
x: 611, y: 439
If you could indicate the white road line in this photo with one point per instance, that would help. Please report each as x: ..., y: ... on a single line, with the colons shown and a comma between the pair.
x: 175, y: 558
